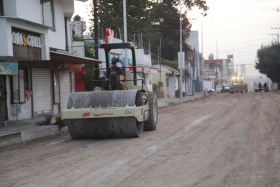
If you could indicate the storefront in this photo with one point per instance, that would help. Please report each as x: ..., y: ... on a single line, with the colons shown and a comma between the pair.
x: 40, y: 87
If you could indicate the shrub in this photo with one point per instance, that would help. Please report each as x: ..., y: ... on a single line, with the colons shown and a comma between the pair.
x: 155, y: 87
x: 177, y: 93
x: 59, y: 122
x: 160, y: 84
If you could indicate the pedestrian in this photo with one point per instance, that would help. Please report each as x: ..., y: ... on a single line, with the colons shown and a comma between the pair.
x: 265, y: 87
x: 260, y: 87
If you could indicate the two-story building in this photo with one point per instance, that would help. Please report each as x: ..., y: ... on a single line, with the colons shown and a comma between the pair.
x: 37, y: 63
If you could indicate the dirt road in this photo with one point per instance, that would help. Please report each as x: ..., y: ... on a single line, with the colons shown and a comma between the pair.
x: 223, y: 140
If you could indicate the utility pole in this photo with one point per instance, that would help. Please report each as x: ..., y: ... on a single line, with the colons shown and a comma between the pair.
x: 96, y: 43
x: 125, y: 33
x: 202, y: 59
x: 180, y: 51
x: 160, y: 60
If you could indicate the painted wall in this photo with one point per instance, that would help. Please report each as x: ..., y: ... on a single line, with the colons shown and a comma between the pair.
x: 5, y: 39
x: 10, y: 8
x: 27, y: 9
x: 68, y: 8
x: 59, y: 33
x: 172, y: 86
x: 156, y: 79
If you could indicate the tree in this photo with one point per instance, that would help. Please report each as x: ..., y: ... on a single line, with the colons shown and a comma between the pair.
x: 268, y: 61
x: 151, y: 19
x: 89, y: 77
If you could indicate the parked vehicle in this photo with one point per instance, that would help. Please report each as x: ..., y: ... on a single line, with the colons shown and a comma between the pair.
x: 219, y: 88
x: 226, y: 88
x: 261, y: 80
x: 209, y: 90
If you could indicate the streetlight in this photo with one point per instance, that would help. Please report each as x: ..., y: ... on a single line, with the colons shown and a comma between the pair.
x: 217, y: 46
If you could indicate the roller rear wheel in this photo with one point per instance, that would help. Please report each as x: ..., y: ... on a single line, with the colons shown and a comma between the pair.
x: 151, y: 123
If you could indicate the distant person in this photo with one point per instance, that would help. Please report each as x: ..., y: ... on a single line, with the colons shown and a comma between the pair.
x: 265, y: 87
x: 260, y: 87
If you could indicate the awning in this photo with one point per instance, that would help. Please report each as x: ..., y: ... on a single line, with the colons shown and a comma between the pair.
x: 56, y: 60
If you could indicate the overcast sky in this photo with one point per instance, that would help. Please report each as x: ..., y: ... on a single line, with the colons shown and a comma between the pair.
x: 245, y: 24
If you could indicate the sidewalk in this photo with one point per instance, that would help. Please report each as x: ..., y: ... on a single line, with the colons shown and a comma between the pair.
x: 25, y: 130
x: 165, y: 102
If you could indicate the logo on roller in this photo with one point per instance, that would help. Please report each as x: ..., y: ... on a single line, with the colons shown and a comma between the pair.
x: 86, y: 114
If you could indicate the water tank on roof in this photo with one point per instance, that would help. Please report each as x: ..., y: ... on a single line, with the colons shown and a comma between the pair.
x: 77, y: 18
x: 211, y: 57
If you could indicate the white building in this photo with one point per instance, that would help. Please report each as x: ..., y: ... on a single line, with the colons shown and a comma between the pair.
x: 36, y: 57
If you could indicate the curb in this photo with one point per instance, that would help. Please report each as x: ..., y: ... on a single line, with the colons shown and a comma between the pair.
x: 178, y: 103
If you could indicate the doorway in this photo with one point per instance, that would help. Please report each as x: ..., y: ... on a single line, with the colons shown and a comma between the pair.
x: 3, y: 98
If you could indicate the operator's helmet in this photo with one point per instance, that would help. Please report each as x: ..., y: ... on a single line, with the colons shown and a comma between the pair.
x: 114, y: 60
x: 118, y: 60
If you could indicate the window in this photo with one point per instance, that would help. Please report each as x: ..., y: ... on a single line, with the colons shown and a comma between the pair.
x: 1, y: 8
x: 47, y: 13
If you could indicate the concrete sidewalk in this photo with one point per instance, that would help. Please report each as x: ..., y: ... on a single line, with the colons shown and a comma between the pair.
x: 25, y: 130
x: 165, y: 102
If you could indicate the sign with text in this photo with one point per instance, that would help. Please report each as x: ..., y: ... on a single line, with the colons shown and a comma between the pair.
x: 7, y: 68
x: 182, y: 62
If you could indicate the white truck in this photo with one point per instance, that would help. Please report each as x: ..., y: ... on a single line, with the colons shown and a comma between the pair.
x: 261, y: 80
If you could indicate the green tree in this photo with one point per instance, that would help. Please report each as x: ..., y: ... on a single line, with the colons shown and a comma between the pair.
x: 268, y: 61
x: 151, y: 19
x: 89, y: 77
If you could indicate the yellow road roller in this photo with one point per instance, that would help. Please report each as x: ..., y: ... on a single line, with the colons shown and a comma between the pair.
x: 110, y: 111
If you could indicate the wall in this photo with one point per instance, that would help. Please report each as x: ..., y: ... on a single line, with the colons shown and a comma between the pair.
x: 28, y: 8
x: 68, y: 8
x: 156, y: 79
x: 10, y: 8
x: 172, y: 82
x: 4, y: 33
x: 59, y: 33
x: 78, y: 48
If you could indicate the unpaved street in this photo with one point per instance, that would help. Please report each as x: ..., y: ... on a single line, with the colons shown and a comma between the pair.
x: 222, y: 140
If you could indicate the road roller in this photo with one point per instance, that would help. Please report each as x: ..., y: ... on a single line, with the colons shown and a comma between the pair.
x: 110, y: 111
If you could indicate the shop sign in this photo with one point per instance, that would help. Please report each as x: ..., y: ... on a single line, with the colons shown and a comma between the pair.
x: 7, y: 68
x: 26, y: 40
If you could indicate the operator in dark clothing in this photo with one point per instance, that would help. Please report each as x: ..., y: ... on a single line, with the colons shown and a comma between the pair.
x: 260, y: 87
x: 118, y: 67
x: 265, y: 87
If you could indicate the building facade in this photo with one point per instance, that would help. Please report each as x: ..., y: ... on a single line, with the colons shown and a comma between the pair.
x: 37, y: 57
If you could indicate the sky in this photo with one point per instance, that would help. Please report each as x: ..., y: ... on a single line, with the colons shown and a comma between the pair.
x: 237, y: 27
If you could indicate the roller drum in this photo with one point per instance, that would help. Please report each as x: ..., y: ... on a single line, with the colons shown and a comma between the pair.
x: 102, y: 128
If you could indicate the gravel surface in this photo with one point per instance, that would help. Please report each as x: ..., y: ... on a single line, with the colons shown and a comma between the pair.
x: 222, y: 140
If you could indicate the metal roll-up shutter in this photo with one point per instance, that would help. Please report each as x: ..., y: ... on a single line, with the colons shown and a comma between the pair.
x: 42, y: 91
x: 65, y: 88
